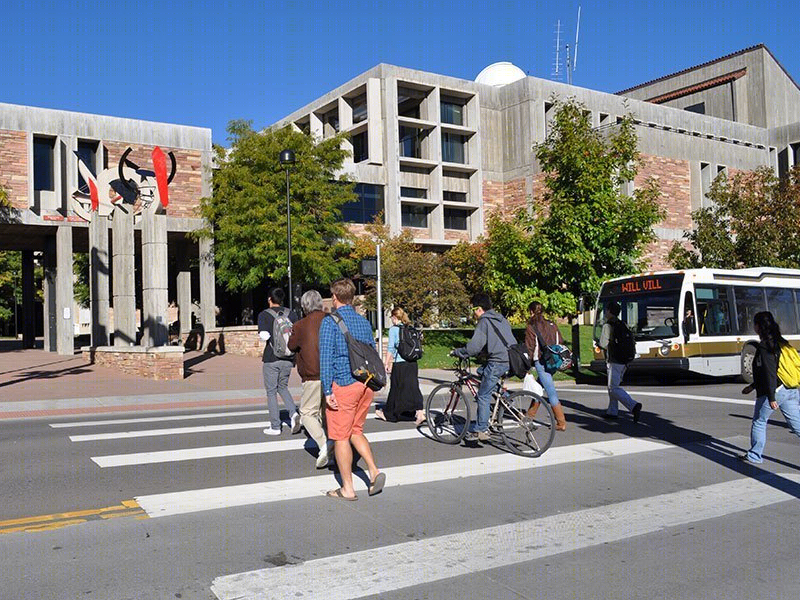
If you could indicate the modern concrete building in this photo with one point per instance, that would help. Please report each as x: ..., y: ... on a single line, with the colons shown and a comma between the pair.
x: 39, y: 154
x: 437, y: 153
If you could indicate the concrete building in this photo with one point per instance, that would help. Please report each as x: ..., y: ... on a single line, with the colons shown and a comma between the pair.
x: 39, y: 150
x: 438, y: 153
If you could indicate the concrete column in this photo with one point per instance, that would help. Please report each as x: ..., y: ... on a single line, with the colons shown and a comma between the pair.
x: 207, y: 284
x: 124, y: 280
x: 154, y: 280
x: 374, y: 121
x: 315, y: 126
x: 65, y: 294
x: 49, y: 284
x: 99, y: 270
x: 392, y: 192
x: 28, y: 301
x: 184, y: 290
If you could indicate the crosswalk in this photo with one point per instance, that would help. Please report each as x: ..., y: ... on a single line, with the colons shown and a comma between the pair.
x: 393, y: 567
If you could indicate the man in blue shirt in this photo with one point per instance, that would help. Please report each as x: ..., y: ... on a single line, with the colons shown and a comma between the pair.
x: 348, y: 400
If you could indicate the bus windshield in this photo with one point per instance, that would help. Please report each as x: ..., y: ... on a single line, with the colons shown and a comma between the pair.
x: 649, y: 316
x: 649, y: 305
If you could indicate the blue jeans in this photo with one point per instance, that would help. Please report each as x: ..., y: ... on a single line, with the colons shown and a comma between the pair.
x: 546, y: 379
x: 789, y: 403
x: 615, y: 391
x: 490, y: 374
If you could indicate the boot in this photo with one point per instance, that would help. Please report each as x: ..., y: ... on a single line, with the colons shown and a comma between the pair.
x: 561, y: 420
x: 533, y: 408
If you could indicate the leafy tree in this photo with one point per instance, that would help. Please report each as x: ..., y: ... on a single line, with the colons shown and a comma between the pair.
x: 10, y: 284
x: 247, y: 211
x: 81, y: 285
x: 469, y: 261
x: 751, y: 222
x: 421, y: 282
x: 588, y: 230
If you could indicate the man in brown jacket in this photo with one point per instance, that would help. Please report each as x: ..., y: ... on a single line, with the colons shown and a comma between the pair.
x: 304, y: 341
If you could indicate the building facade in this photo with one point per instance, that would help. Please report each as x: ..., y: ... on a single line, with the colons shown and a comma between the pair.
x: 40, y: 150
x: 437, y: 154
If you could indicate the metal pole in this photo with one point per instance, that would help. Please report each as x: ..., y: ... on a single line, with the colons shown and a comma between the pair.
x: 380, y: 303
x: 289, y: 236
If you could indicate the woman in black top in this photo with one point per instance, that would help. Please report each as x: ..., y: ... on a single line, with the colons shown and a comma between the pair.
x: 771, y: 394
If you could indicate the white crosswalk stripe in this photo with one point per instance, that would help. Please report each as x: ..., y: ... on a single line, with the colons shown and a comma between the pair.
x: 395, y: 567
x: 160, y: 505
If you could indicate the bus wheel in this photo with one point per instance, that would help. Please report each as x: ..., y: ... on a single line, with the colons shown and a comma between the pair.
x: 748, y: 355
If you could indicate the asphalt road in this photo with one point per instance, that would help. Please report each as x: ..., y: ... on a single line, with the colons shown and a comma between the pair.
x: 202, y: 505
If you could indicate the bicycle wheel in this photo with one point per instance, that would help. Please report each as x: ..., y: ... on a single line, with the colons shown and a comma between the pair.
x: 522, y: 434
x: 448, y: 414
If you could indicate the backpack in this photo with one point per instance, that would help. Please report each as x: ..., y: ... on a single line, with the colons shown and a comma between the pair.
x: 789, y: 367
x: 365, y: 364
x: 621, y: 346
x: 409, y: 347
x: 555, y: 357
x: 281, y: 330
x: 519, y: 358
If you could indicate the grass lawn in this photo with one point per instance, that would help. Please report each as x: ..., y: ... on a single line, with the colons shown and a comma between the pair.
x: 438, y: 344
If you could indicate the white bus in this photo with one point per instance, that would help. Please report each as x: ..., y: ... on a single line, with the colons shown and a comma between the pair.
x: 700, y: 320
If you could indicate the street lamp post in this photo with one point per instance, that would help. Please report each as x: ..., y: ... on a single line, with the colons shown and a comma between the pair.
x: 287, y: 159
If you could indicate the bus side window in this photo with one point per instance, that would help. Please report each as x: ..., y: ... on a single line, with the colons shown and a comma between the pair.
x: 713, y: 310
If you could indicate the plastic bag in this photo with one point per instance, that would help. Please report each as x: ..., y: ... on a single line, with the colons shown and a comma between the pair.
x: 529, y: 384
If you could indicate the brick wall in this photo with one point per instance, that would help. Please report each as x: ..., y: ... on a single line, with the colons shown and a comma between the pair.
x: 674, y: 180
x: 14, y: 167
x: 506, y: 196
x: 163, y: 363
x: 453, y: 234
x: 186, y: 188
x: 240, y: 341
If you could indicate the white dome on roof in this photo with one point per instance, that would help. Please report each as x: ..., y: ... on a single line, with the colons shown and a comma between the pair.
x: 499, y: 74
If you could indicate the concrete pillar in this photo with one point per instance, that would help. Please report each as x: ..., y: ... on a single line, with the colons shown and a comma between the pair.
x: 207, y: 284
x: 124, y: 281
x: 49, y: 284
x: 375, y: 121
x: 154, y: 280
x: 28, y: 301
x: 99, y: 270
x: 315, y: 126
x: 65, y: 295
x: 392, y: 193
x: 184, y: 286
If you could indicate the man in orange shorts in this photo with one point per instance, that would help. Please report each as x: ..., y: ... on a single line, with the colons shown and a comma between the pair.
x: 348, y: 400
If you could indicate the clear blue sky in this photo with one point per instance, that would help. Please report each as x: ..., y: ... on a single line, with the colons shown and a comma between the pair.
x: 206, y: 62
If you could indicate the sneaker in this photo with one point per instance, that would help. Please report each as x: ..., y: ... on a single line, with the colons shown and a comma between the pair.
x: 272, y: 431
x: 484, y: 436
x: 609, y: 417
x: 322, y: 459
x: 745, y: 459
x: 294, y: 421
x: 637, y: 410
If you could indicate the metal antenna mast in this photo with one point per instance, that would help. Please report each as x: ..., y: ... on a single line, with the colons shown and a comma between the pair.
x: 577, y: 32
x: 556, y: 65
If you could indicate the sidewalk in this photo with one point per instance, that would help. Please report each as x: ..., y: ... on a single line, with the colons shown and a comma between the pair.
x: 37, y: 384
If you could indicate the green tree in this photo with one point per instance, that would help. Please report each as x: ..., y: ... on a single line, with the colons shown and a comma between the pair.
x: 751, y: 222
x: 247, y: 211
x: 420, y: 282
x: 587, y: 229
x: 468, y: 261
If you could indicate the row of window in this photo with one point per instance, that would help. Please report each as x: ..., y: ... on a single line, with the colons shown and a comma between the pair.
x: 44, y: 162
x: 370, y: 203
x: 422, y: 194
x: 454, y: 145
x: 725, y: 310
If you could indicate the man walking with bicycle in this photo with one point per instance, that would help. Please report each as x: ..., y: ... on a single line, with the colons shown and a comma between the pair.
x: 491, y: 332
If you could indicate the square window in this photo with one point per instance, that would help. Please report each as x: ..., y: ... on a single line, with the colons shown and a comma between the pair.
x: 414, y: 216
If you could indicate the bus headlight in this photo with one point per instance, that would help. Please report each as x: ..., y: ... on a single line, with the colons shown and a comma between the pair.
x: 664, y: 350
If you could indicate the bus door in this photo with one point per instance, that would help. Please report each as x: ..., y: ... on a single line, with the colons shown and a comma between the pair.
x: 717, y: 345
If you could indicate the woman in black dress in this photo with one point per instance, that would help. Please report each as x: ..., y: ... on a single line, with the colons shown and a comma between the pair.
x: 404, y: 402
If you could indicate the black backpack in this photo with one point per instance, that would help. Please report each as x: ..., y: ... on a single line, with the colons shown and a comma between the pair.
x: 621, y: 346
x: 409, y: 347
x: 520, y: 360
x: 365, y: 364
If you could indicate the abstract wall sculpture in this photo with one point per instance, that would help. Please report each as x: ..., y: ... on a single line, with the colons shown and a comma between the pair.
x: 125, y: 195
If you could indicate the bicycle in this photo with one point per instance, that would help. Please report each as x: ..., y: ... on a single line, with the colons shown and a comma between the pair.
x: 448, y: 414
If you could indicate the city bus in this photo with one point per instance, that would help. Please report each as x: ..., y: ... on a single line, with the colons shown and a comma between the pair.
x: 699, y: 320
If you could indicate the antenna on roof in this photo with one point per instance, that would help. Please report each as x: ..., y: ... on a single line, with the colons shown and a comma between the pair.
x: 557, y: 63
x: 577, y: 31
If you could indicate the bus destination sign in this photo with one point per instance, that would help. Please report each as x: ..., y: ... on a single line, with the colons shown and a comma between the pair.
x: 643, y: 284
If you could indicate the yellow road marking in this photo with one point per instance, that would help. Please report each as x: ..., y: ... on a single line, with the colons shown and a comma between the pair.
x: 127, y: 508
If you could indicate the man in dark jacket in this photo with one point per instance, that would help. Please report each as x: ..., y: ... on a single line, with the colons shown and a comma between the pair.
x: 493, y: 336
x: 276, y: 369
x: 304, y: 341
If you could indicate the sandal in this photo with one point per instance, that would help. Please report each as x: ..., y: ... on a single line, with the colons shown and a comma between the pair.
x: 376, y: 485
x: 337, y: 493
x: 420, y: 418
